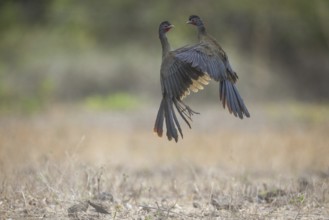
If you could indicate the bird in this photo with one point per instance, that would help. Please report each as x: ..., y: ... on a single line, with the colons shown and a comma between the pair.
x: 177, y: 79
x: 209, y: 57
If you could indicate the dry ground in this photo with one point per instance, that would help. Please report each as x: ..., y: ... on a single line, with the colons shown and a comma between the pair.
x: 272, y: 166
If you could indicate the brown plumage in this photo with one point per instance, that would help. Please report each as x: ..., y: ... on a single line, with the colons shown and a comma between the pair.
x: 209, y: 57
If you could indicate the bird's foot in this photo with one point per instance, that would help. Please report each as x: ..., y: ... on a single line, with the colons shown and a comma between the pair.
x: 190, y: 111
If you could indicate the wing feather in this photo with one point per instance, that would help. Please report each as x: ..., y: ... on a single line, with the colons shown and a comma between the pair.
x: 208, y: 59
x: 178, y: 79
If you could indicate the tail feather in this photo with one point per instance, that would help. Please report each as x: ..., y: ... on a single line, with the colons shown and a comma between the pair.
x: 234, y: 102
x: 243, y: 107
x: 170, y: 123
x: 176, y: 123
x: 231, y: 98
x: 222, y: 95
x: 167, y: 113
x: 158, y: 126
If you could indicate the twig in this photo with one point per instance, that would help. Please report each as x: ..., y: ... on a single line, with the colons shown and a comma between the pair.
x: 298, y: 214
x: 45, y: 181
x: 115, y: 214
x: 24, y: 198
x: 169, y: 211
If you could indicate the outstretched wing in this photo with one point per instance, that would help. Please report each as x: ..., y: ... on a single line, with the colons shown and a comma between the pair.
x: 178, y: 78
x: 209, y: 59
x: 212, y: 60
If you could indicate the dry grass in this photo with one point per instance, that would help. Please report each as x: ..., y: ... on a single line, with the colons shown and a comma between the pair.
x: 272, y: 166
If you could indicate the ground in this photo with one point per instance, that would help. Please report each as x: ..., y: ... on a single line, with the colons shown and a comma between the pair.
x: 272, y: 166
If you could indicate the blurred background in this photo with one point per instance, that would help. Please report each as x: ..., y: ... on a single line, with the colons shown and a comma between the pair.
x: 73, y: 69
x: 58, y: 51
x: 80, y: 90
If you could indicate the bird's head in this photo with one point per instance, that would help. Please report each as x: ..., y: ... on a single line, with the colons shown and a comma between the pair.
x: 165, y: 26
x: 195, y: 20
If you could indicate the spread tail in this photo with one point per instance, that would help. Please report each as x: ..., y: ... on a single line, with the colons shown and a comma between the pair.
x: 167, y: 113
x: 230, y: 97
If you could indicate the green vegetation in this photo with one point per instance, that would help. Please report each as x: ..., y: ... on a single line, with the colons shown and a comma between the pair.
x: 298, y: 199
x: 55, y: 51
x: 118, y: 101
x: 308, y: 113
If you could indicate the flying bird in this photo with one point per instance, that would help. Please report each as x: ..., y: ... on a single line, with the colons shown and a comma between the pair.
x: 209, y: 57
x: 188, y: 69
x: 177, y: 78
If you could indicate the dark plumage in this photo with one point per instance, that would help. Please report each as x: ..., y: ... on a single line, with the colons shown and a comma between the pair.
x: 178, y: 78
x: 188, y: 69
x: 209, y: 57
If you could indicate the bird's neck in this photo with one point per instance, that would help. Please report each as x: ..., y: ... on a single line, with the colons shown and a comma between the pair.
x: 201, y: 32
x: 165, y: 44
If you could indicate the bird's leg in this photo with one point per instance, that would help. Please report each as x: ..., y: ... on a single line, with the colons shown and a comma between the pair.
x: 187, y: 109
x: 190, y: 111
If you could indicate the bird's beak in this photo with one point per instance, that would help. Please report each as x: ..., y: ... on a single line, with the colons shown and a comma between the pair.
x: 189, y: 22
x: 171, y: 26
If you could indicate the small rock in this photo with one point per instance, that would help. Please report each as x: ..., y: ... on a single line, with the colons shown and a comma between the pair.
x: 196, y: 205
x: 98, y: 207
x: 105, y: 196
x: 75, y: 209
